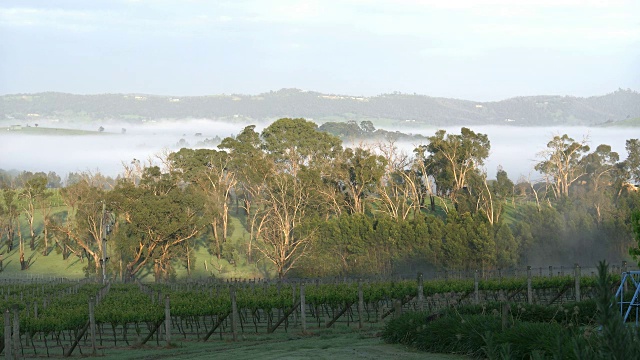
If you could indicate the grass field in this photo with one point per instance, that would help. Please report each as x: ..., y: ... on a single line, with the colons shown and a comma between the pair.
x: 205, y: 264
x: 32, y: 130
x: 634, y: 122
x: 334, y: 344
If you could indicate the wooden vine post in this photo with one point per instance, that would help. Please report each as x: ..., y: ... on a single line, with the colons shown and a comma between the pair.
x: 92, y: 324
x: 303, y: 309
x: 576, y: 273
x: 7, y: 335
x: 234, y: 313
x: 529, y: 287
x: 16, y: 332
x: 397, y: 308
x: 420, y: 292
x: 167, y: 320
x: 360, y: 305
x: 476, y: 293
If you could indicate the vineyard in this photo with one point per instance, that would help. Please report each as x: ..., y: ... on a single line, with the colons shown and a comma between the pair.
x: 64, y: 318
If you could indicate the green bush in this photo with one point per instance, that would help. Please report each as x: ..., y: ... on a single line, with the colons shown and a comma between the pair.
x: 456, y: 334
x: 525, y: 338
x: 404, y: 328
x: 580, y: 313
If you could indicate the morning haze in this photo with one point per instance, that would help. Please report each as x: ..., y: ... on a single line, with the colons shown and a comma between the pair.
x: 312, y: 178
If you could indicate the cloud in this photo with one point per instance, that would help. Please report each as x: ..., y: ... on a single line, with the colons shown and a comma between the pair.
x: 74, y: 20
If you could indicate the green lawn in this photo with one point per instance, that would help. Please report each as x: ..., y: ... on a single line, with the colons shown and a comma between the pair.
x: 634, y: 122
x: 333, y: 344
x: 32, y: 130
x: 204, y: 263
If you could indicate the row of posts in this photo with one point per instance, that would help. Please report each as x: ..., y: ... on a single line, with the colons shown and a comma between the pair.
x: 576, y: 277
x: 12, y: 337
x: 541, y: 271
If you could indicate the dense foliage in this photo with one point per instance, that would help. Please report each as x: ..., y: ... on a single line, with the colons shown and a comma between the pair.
x: 591, y: 329
x: 291, y: 196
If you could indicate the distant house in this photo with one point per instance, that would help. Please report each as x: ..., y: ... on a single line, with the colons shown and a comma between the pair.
x: 15, y: 127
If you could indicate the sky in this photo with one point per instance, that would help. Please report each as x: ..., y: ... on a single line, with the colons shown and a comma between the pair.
x: 470, y: 49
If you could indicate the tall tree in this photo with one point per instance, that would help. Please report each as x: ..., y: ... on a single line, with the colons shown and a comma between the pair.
x: 297, y: 143
x: 453, y: 157
x: 357, y: 174
x: 251, y: 168
x: 208, y: 170
x: 32, y: 193
x: 632, y: 163
x: 562, y: 164
x: 82, y: 229
x: 156, y: 218
x: 603, y: 179
x: 283, y: 210
x: 11, y: 214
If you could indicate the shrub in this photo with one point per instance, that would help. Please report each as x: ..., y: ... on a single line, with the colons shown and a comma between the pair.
x: 404, y: 328
x: 456, y: 333
x: 525, y: 338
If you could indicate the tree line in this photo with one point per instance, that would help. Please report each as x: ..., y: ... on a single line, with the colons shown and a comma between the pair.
x: 293, y: 197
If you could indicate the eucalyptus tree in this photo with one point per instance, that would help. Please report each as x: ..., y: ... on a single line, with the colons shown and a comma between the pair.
x: 398, y: 190
x: 603, y: 178
x: 562, y: 164
x: 302, y: 156
x: 356, y: 174
x: 156, y: 217
x: 10, y: 215
x: 632, y: 163
x: 296, y: 143
x: 452, y: 158
x: 33, y: 192
x: 208, y: 171
x: 251, y: 167
x: 284, y: 208
x: 490, y: 197
x: 426, y: 185
x: 80, y: 229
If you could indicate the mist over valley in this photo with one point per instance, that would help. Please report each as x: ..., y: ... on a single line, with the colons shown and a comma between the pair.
x: 513, y: 148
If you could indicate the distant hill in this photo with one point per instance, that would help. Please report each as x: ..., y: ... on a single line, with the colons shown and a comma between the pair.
x: 402, y: 110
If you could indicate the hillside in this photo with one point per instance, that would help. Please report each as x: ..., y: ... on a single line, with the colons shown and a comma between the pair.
x: 401, y: 110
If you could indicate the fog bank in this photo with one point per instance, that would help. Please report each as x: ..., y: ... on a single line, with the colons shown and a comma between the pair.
x: 513, y: 148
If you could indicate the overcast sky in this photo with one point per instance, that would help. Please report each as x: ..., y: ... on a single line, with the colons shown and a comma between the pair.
x: 471, y: 49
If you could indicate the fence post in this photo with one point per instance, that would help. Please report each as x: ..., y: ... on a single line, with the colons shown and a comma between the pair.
x: 7, y: 335
x: 234, y: 312
x: 577, y: 281
x: 293, y: 301
x: 420, y: 292
x: 16, y: 332
x: 476, y: 293
x: 529, y: 288
x: 550, y: 271
x: 303, y: 309
x: 167, y: 320
x: 360, y: 305
x: 397, y: 307
x: 92, y: 324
